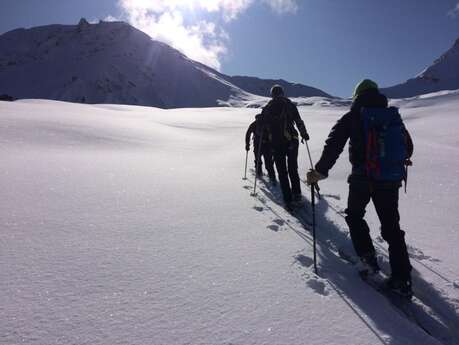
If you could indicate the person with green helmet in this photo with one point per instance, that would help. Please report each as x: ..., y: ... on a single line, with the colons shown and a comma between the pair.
x: 363, y: 187
x: 365, y: 86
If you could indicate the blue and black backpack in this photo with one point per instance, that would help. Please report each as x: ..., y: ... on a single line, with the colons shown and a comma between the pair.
x: 385, y: 144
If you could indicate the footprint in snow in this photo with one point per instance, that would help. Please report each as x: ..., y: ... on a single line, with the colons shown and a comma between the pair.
x: 273, y: 227
x: 304, y: 260
x: 314, y: 283
x: 279, y: 222
x: 318, y: 286
x: 419, y: 254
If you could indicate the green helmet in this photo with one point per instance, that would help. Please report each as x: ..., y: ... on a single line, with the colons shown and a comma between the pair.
x: 363, y: 86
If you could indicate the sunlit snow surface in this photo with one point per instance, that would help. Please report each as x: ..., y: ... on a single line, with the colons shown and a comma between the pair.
x: 132, y: 225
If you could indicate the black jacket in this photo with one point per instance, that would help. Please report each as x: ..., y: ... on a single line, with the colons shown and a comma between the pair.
x: 350, y: 127
x: 251, y: 130
x: 281, y: 115
x: 256, y: 134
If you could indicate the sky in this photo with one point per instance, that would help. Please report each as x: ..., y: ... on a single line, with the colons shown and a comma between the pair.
x: 329, y: 44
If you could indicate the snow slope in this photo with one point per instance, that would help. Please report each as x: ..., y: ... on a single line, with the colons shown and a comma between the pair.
x: 131, y: 225
x: 442, y: 75
x: 112, y: 62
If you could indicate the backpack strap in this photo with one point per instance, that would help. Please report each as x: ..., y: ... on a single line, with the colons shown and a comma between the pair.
x: 284, y: 119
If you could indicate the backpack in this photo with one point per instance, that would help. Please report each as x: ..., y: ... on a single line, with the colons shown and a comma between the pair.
x: 385, y: 144
x: 278, y: 124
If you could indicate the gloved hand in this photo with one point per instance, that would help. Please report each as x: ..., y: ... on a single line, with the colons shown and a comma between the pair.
x: 305, y: 138
x: 247, y: 147
x: 313, y: 176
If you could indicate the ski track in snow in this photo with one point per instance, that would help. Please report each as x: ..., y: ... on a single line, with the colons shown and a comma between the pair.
x: 131, y: 225
x: 436, y: 312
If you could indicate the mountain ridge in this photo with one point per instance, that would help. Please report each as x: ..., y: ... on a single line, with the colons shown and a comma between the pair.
x: 442, y: 75
x: 113, y: 62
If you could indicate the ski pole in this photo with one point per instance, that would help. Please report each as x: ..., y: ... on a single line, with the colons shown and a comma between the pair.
x: 245, y: 169
x: 406, y: 177
x: 257, y: 162
x: 407, y: 164
x: 313, y: 201
x: 314, y: 186
x: 312, y: 168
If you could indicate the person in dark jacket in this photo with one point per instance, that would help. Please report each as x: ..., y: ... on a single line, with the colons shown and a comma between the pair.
x: 362, y: 189
x: 266, y: 149
x: 280, y: 116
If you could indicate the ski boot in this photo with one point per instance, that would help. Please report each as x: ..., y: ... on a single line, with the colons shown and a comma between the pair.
x: 298, y: 200
x: 368, y: 265
x: 401, y: 287
x: 290, y: 207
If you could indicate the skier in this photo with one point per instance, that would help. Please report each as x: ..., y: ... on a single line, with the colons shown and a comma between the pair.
x: 362, y: 187
x: 279, y: 116
x: 266, y: 150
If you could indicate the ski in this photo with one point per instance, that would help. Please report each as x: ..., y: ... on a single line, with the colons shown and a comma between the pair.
x: 406, y: 307
x: 415, y: 310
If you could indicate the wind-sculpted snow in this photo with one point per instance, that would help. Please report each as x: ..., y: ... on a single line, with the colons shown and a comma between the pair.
x: 131, y: 225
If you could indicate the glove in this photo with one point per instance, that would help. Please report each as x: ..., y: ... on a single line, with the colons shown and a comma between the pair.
x: 305, y: 138
x: 247, y: 147
x: 313, y: 176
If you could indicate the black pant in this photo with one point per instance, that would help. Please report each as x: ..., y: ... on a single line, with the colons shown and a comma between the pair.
x: 385, y: 201
x: 267, y: 153
x: 286, y: 159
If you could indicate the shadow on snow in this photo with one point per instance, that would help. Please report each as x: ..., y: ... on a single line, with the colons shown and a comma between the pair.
x: 336, y: 274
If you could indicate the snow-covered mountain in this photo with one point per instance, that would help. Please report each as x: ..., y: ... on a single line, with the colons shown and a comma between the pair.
x: 112, y: 62
x: 442, y: 75
x: 262, y: 87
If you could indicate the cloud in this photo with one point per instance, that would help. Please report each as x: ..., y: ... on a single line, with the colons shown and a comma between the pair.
x: 282, y: 6
x: 203, y: 41
x: 454, y: 12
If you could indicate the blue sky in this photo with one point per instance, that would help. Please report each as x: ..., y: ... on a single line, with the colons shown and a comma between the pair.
x: 330, y: 44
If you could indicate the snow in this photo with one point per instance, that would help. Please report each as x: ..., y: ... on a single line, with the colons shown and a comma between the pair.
x: 131, y: 225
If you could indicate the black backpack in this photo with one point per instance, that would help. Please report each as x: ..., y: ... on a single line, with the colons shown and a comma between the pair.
x: 278, y: 122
